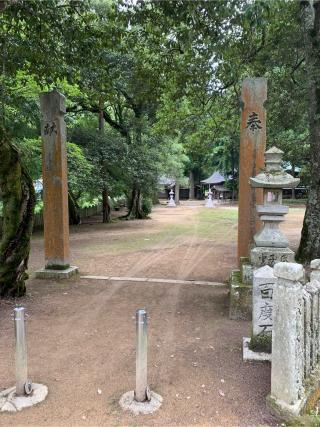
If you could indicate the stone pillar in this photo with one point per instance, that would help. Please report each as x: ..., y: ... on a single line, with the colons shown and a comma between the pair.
x: 252, y: 148
x: 262, y: 308
x: 177, y: 193
x: 288, y: 337
x: 55, y: 186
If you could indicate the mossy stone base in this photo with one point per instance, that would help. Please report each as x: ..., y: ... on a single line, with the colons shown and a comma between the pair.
x: 255, y: 356
x: 46, y: 273
x: 240, y: 298
x: 57, y: 266
x: 261, y: 343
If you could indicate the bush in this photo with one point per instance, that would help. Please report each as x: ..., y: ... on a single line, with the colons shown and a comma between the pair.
x: 146, y: 206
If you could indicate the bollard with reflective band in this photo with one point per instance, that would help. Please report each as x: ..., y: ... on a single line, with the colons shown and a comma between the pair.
x: 142, y: 391
x: 23, y: 386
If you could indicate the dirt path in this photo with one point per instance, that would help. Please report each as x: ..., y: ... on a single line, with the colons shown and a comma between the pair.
x: 183, y: 243
x: 81, y: 333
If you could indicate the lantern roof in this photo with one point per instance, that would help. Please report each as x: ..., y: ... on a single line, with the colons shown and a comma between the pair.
x: 273, y: 175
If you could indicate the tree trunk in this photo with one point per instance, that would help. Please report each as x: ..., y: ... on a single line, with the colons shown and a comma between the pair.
x: 18, y: 205
x: 135, y: 208
x: 293, y: 192
x: 310, y: 237
x: 106, y: 210
x: 74, y: 217
x: 177, y: 193
x: 191, y: 185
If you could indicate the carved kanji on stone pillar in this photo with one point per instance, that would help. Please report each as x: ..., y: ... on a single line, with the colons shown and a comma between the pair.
x: 252, y: 148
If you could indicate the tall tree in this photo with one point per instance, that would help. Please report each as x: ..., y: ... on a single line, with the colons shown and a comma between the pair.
x: 33, y: 39
x: 310, y: 238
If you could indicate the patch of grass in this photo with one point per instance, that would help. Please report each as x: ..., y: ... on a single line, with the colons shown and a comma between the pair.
x: 219, y: 214
x: 141, y: 242
x: 177, y: 230
x: 219, y: 224
x: 304, y: 421
x: 294, y: 202
x: 214, y: 224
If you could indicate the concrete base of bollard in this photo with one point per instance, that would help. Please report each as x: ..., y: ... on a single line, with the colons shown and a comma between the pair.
x: 128, y: 403
x: 10, y: 402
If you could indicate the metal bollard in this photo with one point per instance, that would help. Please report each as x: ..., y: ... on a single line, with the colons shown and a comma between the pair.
x: 23, y: 385
x: 142, y: 392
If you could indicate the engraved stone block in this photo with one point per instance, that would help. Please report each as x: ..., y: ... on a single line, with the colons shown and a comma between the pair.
x: 262, y: 300
x: 261, y: 256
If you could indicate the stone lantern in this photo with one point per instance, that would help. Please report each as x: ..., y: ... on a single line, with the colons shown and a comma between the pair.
x: 271, y: 245
x: 209, y: 202
x: 171, y: 202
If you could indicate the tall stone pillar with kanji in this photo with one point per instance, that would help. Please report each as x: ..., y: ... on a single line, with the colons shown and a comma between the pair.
x: 55, y: 187
x: 252, y: 148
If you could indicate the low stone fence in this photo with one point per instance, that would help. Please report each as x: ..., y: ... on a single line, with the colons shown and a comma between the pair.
x: 84, y: 213
x: 295, y: 378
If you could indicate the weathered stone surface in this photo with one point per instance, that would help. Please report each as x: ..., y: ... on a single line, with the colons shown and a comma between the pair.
x: 307, y: 403
x: 313, y: 291
x: 315, y: 264
x: 270, y: 235
x: 252, y: 147
x: 315, y: 273
x: 55, y: 187
x: 240, y: 298
x: 288, y: 335
x: 290, y: 271
x: 307, y: 332
x: 262, y: 300
x: 247, y: 274
x: 261, y: 256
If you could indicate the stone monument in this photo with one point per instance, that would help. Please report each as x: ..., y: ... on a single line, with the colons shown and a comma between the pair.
x: 258, y: 347
x: 252, y: 148
x: 55, y: 187
x: 271, y: 245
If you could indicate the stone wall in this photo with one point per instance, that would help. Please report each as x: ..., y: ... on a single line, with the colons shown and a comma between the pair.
x: 295, y: 375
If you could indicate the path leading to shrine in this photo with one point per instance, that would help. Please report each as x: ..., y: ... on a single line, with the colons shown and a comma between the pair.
x: 81, y: 333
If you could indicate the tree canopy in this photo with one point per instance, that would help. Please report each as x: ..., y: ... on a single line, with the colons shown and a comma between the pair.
x: 152, y: 89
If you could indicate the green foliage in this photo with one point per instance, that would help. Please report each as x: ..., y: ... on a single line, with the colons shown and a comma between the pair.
x: 146, y: 206
x: 80, y: 170
x: 30, y: 149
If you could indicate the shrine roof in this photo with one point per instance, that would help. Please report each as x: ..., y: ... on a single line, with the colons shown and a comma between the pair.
x: 215, y: 178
